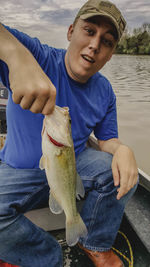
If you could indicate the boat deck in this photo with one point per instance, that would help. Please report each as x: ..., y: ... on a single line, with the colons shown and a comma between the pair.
x: 75, y: 257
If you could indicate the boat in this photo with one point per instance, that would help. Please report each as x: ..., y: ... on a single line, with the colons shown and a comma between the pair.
x: 3, y: 103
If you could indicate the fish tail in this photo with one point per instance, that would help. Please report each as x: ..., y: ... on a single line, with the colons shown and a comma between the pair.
x: 74, y: 230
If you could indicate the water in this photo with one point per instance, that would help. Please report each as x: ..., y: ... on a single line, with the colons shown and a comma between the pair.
x: 130, y: 78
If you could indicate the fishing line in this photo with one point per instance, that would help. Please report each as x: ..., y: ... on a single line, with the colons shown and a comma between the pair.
x: 131, y: 260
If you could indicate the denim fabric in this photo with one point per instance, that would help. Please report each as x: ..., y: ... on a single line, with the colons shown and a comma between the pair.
x: 101, y: 212
x: 21, y: 242
x: 24, y: 244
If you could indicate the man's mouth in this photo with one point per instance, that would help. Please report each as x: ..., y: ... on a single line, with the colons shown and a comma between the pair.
x: 88, y: 58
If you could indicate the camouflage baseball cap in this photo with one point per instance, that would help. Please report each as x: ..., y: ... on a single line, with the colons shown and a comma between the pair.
x: 103, y: 8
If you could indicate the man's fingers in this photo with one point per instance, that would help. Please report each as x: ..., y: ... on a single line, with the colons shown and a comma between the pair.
x: 36, y: 96
x: 124, y: 187
x: 26, y: 102
x: 38, y: 105
x: 50, y: 104
x: 121, y: 192
x: 48, y: 108
x: 119, y: 195
x: 132, y: 181
x: 16, y: 98
x: 116, y: 175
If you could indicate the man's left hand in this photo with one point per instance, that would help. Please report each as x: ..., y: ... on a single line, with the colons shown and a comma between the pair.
x: 124, y: 169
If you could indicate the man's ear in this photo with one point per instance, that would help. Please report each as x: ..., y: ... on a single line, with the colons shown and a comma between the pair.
x: 70, y: 31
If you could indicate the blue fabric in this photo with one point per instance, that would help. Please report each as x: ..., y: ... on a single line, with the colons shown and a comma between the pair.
x: 101, y: 212
x: 24, y: 244
x: 92, y: 108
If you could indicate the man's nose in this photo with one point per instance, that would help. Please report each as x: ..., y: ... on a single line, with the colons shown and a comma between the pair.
x: 95, y: 44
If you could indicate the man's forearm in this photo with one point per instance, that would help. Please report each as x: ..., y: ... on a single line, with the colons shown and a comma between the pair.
x: 11, y: 50
x: 110, y: 145
x: 8, y: 45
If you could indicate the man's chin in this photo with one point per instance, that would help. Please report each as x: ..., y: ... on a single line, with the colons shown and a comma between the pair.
x: 81, y: 76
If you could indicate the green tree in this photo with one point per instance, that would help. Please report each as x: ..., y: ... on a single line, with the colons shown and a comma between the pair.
x: 136, y: 43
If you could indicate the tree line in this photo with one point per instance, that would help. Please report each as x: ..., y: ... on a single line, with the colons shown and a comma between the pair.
x: 135, y: 43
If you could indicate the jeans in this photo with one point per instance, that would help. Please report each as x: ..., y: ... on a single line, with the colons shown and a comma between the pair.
x: 24, y: 244
x: 102, y: 212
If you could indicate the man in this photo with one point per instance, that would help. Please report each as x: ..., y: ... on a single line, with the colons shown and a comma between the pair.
x: 109, y: 175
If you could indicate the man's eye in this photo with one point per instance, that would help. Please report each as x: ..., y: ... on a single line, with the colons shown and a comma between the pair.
x: 89, y: 31
x: 107, y: 42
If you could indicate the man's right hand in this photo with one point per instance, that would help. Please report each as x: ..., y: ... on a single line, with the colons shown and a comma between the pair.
x: 31, y: 87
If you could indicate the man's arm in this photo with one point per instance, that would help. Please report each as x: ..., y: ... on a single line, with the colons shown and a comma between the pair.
x: 31, y: 87
x: 124, y: 167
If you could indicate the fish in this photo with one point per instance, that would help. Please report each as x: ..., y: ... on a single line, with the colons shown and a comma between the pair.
x: 58, y: 160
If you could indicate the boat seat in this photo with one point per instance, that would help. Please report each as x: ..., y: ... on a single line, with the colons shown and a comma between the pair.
x: 47, y: 220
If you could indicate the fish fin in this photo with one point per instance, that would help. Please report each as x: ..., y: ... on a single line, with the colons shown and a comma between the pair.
x: 74, y: 230
x: 54, y: 206
x: 42, y: 163
x: 79, y: 188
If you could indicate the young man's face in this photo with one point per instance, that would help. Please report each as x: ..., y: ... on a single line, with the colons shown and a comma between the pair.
x: 92, y: 44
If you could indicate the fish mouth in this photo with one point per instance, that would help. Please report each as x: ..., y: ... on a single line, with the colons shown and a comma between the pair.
x: 54, y: 142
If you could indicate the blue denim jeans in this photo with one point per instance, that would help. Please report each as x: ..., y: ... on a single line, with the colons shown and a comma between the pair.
x: 102, y: 212
x: 24, y: 244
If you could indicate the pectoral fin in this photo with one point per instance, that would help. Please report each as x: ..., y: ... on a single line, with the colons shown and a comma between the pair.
x: 42, y: 163
x: 53, y: 205
x: 79, y: 188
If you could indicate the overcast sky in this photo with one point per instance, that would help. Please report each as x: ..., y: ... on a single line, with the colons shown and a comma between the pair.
x: 49, y: 19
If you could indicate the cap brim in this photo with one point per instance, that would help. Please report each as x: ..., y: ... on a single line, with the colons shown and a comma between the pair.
x: 102, y: 14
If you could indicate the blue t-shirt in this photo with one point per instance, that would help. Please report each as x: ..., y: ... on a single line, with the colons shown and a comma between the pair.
x: 92, y: 107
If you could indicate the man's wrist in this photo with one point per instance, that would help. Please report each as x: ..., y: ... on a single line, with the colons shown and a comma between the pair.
x: 110, y: 146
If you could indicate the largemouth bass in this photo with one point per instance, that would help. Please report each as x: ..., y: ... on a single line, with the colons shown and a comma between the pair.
x: 58, y: 160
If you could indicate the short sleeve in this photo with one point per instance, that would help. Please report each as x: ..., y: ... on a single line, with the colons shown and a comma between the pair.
x: 108, y: 128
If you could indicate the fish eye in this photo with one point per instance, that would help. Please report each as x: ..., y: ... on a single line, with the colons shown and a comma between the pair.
x: 70, y: 121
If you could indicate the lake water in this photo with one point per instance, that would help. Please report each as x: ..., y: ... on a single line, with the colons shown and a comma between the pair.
x: 130, y: 78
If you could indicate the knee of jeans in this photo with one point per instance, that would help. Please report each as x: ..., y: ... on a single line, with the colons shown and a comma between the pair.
x: 128, y: 196
x: 104, y: 183
x: 7, y: 216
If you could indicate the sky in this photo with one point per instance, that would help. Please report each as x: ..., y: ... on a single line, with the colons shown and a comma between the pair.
x: 49, y: 20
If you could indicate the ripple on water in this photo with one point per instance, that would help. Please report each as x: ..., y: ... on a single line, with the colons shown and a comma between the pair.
x: 130, y: 79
